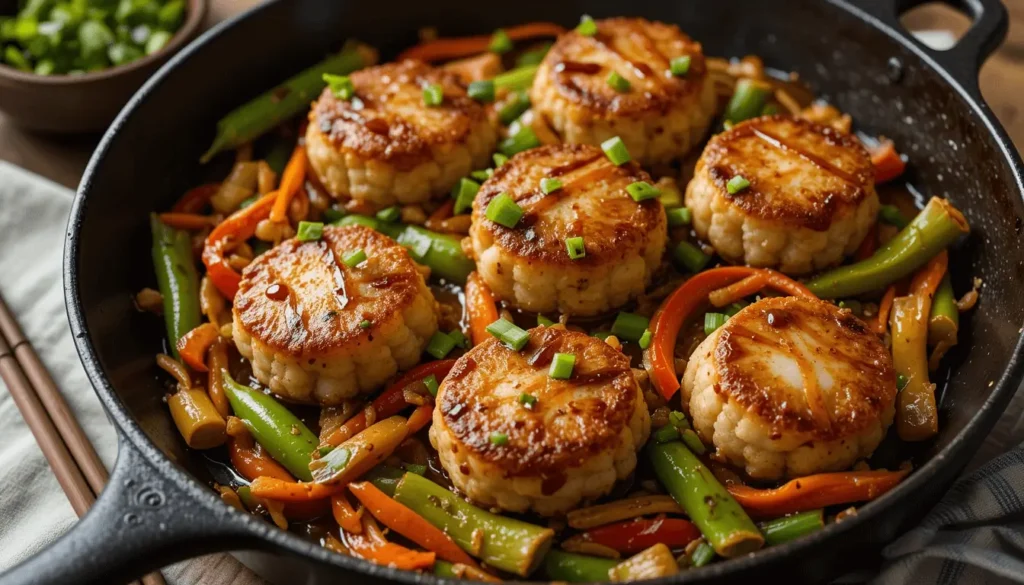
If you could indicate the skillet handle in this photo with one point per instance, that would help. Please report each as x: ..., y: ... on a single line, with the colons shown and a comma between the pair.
x: 963, y: 61
x: 140, y: 522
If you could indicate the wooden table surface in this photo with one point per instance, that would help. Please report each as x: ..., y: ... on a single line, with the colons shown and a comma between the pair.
x: 62, y: 159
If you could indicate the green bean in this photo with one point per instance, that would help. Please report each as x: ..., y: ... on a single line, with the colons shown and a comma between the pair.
x: 385, y: 477
x: 442, y: 253
x: 747, y: 101
x: 273, y: 426
x: 518, y: 79
x: 573, y: 568
x: 708, y: 504
x: 176, y: 278
x: 937, y: 226
x: 506, y: 543
x: 944, y: 320
x: 792, y: 527
x: 273, y: 107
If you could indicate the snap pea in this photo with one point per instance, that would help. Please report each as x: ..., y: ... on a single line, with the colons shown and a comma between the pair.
x: 508, y: 544
x: 176, y: 278
x: 442, y: 253
x: 574, y: 568
x: 274, y: 427
x: 269, y: 109
x: 937, y: 226
x: 748, y: 99
x: 708, y: 504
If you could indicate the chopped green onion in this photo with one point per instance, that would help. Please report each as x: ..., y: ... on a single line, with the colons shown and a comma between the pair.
x: 389, y: 214
x: 587, y: 27
x: 901, y: 382
x: 524, y: 139
x: 544, y: 321
x: 340, y: 85
x: 482, y: 175
x: 431, y: 383
x: 504, y: 211
x: 518, y: 79
x: 309, y: 231
x: 440, y: 345
x: 562, y: 365
x: 481, y: 91
x: 748, y: 99
x: 891, y: 215
x: 679, y: 216
x: 618, y: 82
x: 548, y: 185
x: 464, y: 192
x: 527, y: 400
x: 690, y: 257
x: 642, y: 191
x: 509, y: 334
x: 460, y: 338
x: 737, y: 184
x: 415, y: 468
x: 331, y: 214
x: 630, y: 326
x: 354, y: 258
x: 533, y: 57
x: 645, y: 339
x: 433, y: 94
x: 679, y: 66
x: 678, y: 420
x: 499, y: 159
x: 713, y: 321
x: 514, y: 108
x: 703, y: 554
x: 736, y: 307
x: 576, y: 247
x: 691, y: 440
x: 365, y: 324
x: 500, y: 43
x: 615, y: 149
x: 499, y: 439
x: 666, y: 434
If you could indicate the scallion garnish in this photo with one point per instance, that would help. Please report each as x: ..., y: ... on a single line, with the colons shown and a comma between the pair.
x: 460, y: 338
x: 464, y: 192
x: 712, y: 321
x: 514, y: 108
x: 642, y: 191
x: 509, y: 334
x: 527, y: 400
x: 431, y: 383
x: 365, y: 324
x: 562, y: 365
x: 340, y: 85
x: 499, y: 439
x: 389, y: 214
x: 679, y: 216
x: 503, y: 210
x: 737, y: 184
x: 524, y: 139
x: 482, y: 175
x: 630, y: 326
x: 576, y: 247
x: 690, y: 257
x: 680, y: 66
x: 587, y: 27
x: 499, y: 159
x: 309, y: 231
x: 615, y: 149
x: 618, y: 82
x: 549, y: 185
x: 433, y: 95
x: 645, y: 339
x: 543, y: 321
x: 440, y: 345
x: 354, y: 258
x: 500, y: 43
x: 481, y: 91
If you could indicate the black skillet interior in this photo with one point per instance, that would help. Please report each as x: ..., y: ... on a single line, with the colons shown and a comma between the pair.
x: 149, y: 157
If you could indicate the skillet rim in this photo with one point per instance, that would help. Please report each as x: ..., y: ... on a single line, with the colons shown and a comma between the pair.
x: 131, y: 435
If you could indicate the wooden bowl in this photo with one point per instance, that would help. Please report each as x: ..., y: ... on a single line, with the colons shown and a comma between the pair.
x: 68, y: 104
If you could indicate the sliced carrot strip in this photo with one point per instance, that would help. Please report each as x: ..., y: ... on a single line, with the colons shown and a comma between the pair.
x: 187, y: 221
x: 292, y: 491
x: 238, y: 227
x: 193, y: 345
x: 291, y: 180
x: 420, y: 418
x: 196, y: 198
x: 345, y: 515
x: 816, y: 491
x: 887, y: 162
x: 882, y: 319
x: 738, y: 290
x: 480, y: 307
x: 253, y: 462
x: 454, y: 48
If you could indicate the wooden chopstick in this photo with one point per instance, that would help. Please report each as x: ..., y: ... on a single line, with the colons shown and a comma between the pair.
x: 53, y: 401
x: 79, y: 470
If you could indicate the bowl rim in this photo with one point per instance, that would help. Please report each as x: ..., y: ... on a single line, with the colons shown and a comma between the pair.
x: 194, y: 17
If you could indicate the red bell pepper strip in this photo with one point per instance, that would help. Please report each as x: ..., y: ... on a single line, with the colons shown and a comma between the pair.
x: 633, y: 536
x: 193, y: 345
x: 240, y: 226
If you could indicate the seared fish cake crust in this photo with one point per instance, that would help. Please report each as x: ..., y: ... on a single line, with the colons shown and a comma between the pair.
x: 577, y: 439
x: 528, y: 265
x: 811, y: 198
x: 318, y: 331
x: 660, y: 118
x: 386, y: 146
x: 790, y: 387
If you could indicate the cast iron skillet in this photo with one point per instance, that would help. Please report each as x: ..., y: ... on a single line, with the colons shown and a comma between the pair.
x: 158, y: 508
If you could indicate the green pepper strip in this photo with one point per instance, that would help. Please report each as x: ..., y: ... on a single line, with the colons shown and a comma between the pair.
x: 573, y: 568
x: 518, y: 79
x: 273, y: 107
x: 944, y: 320
x: 440, y: 252
x: 937, y: 226
x: 274, y: 427
x: 385, y: 478
x: 176, y: 278
x: 508, y: 544
x: 720, y: 518
x: 792, y: 527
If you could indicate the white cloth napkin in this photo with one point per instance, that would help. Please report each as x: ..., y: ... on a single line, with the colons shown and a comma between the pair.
x: 34, y: 511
